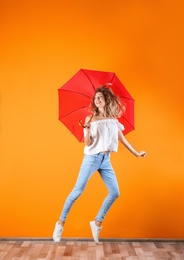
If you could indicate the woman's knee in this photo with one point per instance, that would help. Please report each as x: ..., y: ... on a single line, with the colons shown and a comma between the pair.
x: 115, y: 194
x: 76, y: 193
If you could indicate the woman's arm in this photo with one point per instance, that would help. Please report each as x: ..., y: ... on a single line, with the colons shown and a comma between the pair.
x: 124, y: 141
x: 88, y: 139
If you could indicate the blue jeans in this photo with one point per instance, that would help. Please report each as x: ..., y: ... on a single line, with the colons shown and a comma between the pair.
x: 98, y: 162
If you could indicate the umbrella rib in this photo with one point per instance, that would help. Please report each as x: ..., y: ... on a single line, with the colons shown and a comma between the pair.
x: 89, y: 79
x: 126, y: 98
x: 128, y: 122
x: 72, y: 112
x: 75, y: 92
x: 113, y: 77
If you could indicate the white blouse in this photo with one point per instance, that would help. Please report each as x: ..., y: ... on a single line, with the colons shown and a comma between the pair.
x: 105, y: 136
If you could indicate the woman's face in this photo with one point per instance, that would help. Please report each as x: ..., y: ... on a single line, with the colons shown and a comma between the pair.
x: 99, y: 100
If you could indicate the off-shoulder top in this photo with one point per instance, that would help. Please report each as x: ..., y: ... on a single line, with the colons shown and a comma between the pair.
x: 105, y: 136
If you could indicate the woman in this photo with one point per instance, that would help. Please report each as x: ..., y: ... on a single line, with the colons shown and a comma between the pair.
x: 101, y: 133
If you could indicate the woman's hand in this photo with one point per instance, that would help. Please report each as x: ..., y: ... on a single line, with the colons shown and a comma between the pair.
x: 87, y: 126
x: 142, y: 154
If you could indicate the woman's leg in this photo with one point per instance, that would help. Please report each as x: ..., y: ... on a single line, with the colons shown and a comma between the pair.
x: 107, y: 173
x: 89, y: 165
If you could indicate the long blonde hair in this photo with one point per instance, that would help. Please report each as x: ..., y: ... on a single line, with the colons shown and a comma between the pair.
x: 113, y: 104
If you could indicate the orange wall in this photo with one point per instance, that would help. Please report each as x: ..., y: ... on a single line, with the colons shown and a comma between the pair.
x: 43, y: 43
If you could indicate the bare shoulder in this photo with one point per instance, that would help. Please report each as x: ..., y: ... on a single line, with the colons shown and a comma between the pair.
x: 88, y: 118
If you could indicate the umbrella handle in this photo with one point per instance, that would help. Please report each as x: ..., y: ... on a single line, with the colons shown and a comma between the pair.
x: 81, y: 124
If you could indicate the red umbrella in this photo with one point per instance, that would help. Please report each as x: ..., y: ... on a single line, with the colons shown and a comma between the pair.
x: 76, y: 95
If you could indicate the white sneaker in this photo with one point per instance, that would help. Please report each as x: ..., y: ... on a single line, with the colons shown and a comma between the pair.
x: 57, y: 232
x: 95, y: 230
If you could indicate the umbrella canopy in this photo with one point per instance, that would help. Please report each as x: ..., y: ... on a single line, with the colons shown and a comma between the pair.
x: 76, y: 95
